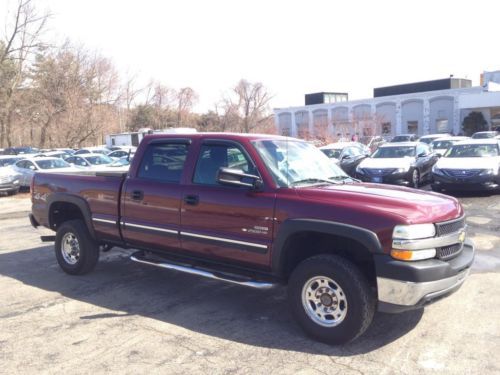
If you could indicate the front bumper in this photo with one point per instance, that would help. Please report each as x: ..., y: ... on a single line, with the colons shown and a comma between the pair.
x: 10, y: 186
x: 403, y: 179
x: 488, y: 182
x: 410, y: 285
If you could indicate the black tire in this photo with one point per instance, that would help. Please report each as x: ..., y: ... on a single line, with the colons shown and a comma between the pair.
x: 88, y: 248
x: 360, y: 298
x: 415, y: 179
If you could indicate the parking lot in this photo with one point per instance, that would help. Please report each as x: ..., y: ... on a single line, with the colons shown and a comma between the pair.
x: 129, y: 318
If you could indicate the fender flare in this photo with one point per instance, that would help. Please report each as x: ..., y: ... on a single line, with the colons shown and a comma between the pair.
x: 79, y: 202
x: 289, y: 227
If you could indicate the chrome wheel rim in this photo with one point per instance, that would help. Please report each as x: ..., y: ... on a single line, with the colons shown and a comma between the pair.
x: 415, y: 178
x: 70, y: 248
x: 324, y: 301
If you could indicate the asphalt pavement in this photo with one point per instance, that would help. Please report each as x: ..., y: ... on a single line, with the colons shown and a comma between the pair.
x: 130, y: 318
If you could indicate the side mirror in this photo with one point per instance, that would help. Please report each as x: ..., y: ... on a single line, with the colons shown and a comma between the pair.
x: 32, y: 167
x: 236, y: 177
x: 346, y: 157
x: 421, y: 155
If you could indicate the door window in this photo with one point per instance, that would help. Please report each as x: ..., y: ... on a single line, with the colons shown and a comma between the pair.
x: 163, y: 162
x: 214, y: 157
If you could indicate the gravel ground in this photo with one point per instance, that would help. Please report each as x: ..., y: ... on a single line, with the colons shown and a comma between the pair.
x: 129, y: 318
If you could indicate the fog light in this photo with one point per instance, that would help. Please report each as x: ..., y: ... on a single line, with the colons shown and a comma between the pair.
x: 410, y: 255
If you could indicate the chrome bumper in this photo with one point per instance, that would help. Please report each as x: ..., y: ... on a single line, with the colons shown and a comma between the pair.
x: 405, y: 293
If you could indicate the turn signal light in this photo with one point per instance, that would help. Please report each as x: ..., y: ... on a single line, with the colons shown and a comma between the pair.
x: 409, y: 255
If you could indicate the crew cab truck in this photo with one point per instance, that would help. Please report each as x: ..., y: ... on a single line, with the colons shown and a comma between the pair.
x: 258, y: 211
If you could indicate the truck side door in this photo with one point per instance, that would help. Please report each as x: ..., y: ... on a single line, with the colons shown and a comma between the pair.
x: 151, y: 200
x: 226, y: 222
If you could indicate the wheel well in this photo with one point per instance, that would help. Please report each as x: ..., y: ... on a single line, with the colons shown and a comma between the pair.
x: 61, y: 212
x: 303, y: 245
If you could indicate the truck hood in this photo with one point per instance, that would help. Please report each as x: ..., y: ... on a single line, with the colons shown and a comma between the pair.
x: 384, y: 163
x: 408, y: 205
x: 469, y: 163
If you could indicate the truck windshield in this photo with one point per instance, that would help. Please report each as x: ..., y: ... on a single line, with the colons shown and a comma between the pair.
x: 295, y: 163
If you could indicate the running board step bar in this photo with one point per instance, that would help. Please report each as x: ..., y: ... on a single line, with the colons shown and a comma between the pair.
x: 140, y: 257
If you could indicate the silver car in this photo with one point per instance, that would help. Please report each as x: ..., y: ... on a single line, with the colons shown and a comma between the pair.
x: 27, y: 168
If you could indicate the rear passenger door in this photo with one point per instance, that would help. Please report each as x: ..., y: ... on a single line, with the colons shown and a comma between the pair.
x: 226, y: 222
x: 151, y: 199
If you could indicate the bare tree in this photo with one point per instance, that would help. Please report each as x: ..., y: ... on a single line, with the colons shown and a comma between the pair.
x: 22, y: 39
x: 251, y: 102
x: 186, y: 98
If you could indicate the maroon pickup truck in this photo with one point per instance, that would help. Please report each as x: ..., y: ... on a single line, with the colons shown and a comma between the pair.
x: 258, y: 211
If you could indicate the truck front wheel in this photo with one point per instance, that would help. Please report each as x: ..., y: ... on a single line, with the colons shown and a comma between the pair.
x: 331, y: 299
x: 76, y: 252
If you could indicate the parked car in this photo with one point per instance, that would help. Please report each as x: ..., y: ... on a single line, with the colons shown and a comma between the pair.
x: 82, y: 151
x: 27, y: 168
x: 427, y: 139
x: 259, y: 211
x: 441, y: 145
x: 347, y: 155
x: 400, y: 163
x: 20, y: 150
x: 485, y: 135
x: 405, y: 138
x: 52, y: 154
x: 121, y: 154
x: 372, y: 142
x: 469, y: 165
x: 9, y: 178
x: 89, y: 161
x: 120, y: 165
x: 9, y: 160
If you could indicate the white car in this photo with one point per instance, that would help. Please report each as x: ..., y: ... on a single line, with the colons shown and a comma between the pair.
x: 427, y: 139
x: 9, y: 180
x: 27, y: 168
x: 90, y: 161
x: 469, y: 165
x: 92, y: 150
x: 441, y: 145
x: 118, y: 154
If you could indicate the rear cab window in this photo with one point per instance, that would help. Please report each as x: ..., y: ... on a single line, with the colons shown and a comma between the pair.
x: 163, y: 162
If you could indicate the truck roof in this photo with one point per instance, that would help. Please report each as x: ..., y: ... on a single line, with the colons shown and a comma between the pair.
x: 214, y: 135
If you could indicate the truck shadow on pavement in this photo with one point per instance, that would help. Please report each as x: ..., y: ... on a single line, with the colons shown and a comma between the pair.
x: 253, y: 317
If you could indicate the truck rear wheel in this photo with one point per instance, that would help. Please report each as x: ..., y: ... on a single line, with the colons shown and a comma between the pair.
x: 76, y: 252
x: 331, y: 299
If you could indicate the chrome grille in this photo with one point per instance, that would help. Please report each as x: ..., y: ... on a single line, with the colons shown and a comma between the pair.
x: 447, y: 227
x: 462, y: 173
x: 378, y: 172
x: 448, y: 252
x: 4, y: 180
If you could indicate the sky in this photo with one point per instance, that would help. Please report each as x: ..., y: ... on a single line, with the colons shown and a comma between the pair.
x: 292, y: 47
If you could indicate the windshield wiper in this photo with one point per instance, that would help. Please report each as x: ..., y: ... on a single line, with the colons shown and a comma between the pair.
x: 343, y: 178
x: 314, y: 180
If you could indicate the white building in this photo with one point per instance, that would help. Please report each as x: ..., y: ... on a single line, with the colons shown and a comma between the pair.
x: 420, y: 108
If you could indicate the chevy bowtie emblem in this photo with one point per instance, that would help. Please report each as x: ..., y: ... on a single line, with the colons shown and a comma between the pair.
x: 461, y: 237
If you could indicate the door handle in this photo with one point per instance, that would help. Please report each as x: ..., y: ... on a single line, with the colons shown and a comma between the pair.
x: 191, y: 200
x: 137, y: 195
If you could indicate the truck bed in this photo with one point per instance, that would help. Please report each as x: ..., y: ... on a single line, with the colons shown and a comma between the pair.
x: 97, y: 192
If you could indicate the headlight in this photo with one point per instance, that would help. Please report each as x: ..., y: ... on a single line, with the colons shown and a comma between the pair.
x: 488, y: 172
x: 436, y: 170
x: 413, y: 232
x: 402, y: 170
